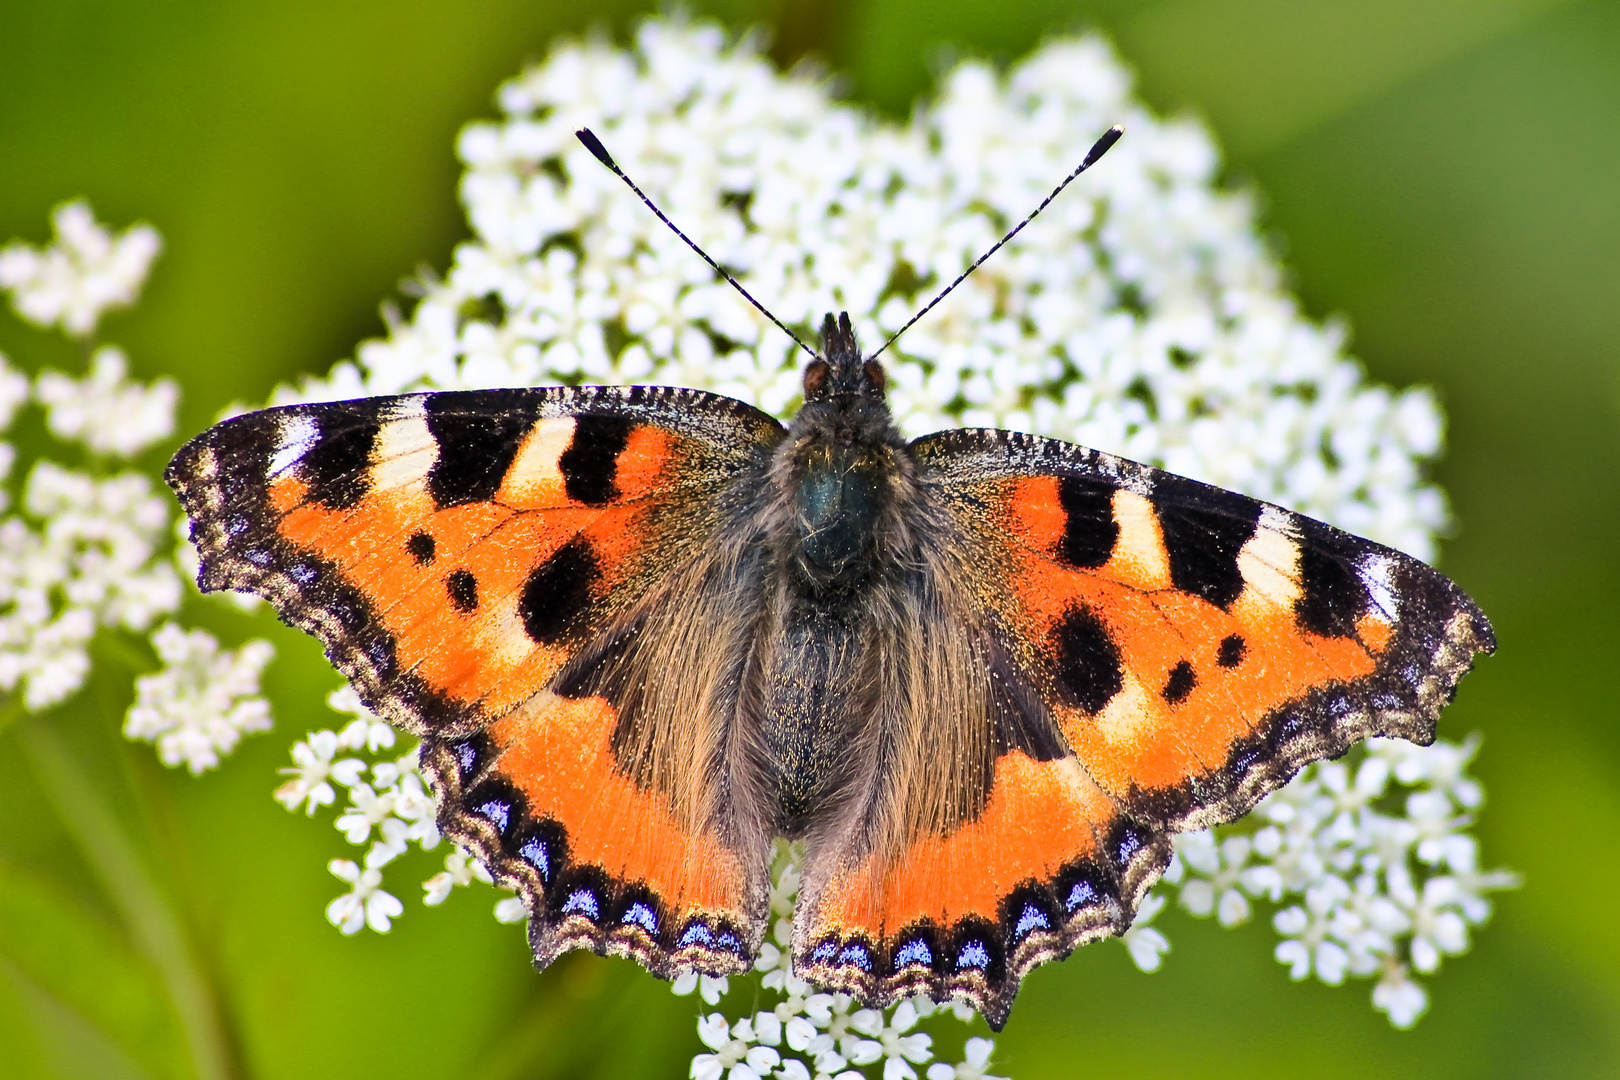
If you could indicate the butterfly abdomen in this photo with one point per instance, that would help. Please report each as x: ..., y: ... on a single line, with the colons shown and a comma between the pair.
x: 812, y: 707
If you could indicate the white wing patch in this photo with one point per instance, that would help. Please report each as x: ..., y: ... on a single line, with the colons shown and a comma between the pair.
x: 405, y: 449
x: 297, y: 434
x: 1377, y: 573
x: 1269, y: 561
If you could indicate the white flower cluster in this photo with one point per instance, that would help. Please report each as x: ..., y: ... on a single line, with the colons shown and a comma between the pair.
x: 87, y: 270
x: 105, y: 411
x: 391, y: 810
x: 1375, y: 853
x: 806, y: 1034
x: 90, y: 549
x: 1141, y: 314
x: 203, y: 701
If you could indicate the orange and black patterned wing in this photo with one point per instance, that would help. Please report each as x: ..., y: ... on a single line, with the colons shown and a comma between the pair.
x: 1196, y: 647
x: 1152, y: 655
x: 469, y: 560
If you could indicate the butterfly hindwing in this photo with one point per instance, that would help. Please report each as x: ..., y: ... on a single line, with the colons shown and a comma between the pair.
x: 491, y: 569
x: 1047, y: 864
x: 970, y: 845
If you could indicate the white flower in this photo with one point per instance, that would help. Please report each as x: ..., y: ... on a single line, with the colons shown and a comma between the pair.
x: 709, y: 988
x: 1308, y: 929
x: 795, y: 996
x: 314, y: 769
x: 1145, y: 943
x: 775, y: 963
x: 1385, y: 843
x: 1441, y: 765
x: 1368, y: 924
x: 511, y: 909
x: 366, y: 809
x: 14, y: 392
x: 1416, y: 883
x: 839, y: 1043
x: 103, y: 533
x: 827, y: 1029
x: 856, y: 1046
x: 901, y: 1046
x: 1471, y: 885
x: 975, y: 1064
x: 81, y: 274
x: 1400, y: 996
x: 89, y: 562
x: 1141, y: 314
x: 735, y: 1055
x: 1438, y: 926
x: 104, y: 410
x: 1215, y: 873
x: 1439, y: 839
x: 414, y: 805
x: 203, y: 701
x: 1351, y: 794
x: 366, y: 903
x: 460, y: 868
x: 367, y: 731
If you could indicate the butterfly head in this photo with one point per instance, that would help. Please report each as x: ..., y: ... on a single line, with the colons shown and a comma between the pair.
x: 838, y: 370
x: 839, y: 458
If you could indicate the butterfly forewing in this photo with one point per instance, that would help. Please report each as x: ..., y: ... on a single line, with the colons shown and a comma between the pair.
x: 490, y: 569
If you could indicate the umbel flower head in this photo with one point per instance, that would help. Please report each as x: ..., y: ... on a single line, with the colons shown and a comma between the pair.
x: 84, y: 271
x: 1141, y: 314
x: 87, y: 549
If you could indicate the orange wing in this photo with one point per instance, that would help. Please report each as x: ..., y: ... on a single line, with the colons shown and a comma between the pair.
x: 1188, y: 648
x: 1197, y: 647
x: 458, y: 555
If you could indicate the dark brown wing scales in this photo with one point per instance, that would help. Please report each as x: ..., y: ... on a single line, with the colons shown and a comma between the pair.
x: 454, y: 553
x: 1204, y: 530
x: 477, y: 435
x: 1089, y: 529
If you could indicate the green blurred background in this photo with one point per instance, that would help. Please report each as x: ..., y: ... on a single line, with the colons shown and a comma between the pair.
x: 1445, y: 173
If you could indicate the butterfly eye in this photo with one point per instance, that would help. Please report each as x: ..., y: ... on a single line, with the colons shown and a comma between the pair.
x: 815, y: 378
x: 876, y: 376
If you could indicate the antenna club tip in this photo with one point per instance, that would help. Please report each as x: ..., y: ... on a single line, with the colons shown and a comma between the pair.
x: 1103, y: 145
x: 594, y: 145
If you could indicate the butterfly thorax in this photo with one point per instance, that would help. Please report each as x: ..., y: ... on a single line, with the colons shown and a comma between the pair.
x: 838, y: 468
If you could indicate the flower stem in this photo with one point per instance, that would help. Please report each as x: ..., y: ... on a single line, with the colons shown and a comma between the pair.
x: 153, y: 924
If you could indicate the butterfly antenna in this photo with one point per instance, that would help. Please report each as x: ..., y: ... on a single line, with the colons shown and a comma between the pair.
x: 1098, y: 149
x: 594, y: 145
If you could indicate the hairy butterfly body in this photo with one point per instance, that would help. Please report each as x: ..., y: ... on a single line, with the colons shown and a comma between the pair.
x: 984, y: 677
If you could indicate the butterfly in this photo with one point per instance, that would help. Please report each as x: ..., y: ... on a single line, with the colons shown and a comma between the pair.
x: 983, y: 677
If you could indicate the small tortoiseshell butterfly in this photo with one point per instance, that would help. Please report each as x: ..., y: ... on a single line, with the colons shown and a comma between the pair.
x: 982, y: 676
